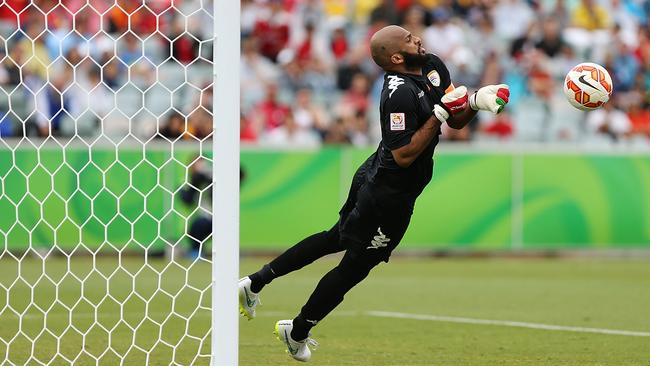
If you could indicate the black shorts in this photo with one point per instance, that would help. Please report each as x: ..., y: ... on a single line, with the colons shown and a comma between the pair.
x: 373, y: 220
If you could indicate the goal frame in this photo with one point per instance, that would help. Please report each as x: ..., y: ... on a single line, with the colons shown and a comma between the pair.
x: 225, y: 223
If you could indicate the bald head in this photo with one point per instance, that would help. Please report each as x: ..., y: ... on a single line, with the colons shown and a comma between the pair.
x: 394, y: 48
x: 386, y: 42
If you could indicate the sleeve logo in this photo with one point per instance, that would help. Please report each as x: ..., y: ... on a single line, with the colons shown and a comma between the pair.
x: 393, y: 83
x: 397, y: 122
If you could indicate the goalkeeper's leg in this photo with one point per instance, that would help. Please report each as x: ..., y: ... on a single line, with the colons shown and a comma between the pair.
x: 303, y: 253
x: 329, y: 293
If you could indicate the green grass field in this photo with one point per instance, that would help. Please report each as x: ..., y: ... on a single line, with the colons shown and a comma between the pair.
x: 111, y: 312
x: 585, y: 293
x: 596, y: 294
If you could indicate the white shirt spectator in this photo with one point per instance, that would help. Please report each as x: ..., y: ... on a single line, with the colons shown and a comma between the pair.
x: 443, y: 38
x: 608, y: 120
x: 290, y: 134
x: 512, y: 18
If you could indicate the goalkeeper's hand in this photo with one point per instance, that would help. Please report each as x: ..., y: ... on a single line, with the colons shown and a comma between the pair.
x: 492, y: 98
x: 453, y: 103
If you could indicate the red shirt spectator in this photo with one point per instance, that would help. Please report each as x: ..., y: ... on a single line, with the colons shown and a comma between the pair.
x: 304, y: 52
x: 271, y: 112
x: 339, y: 44
x: 10, y: 8
x: 273, y: 33
x: 640, y: 119
x: 356, y: 98
x: 247, y: 131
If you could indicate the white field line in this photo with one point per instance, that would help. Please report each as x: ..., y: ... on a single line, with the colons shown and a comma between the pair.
x: 379, y: 314
x: 506, y: 323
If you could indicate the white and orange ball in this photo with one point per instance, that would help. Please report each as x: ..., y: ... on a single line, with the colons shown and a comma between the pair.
x: 588, y: 86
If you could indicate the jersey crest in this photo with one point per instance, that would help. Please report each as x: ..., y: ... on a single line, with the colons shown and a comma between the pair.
x: 394, y: 82
x: 434, y: 77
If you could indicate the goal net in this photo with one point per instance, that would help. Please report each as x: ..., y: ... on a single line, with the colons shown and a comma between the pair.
x: 105, y: 182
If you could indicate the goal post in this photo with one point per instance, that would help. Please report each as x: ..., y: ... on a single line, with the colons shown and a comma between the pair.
x: 108, y: 159
x: 225, y: 251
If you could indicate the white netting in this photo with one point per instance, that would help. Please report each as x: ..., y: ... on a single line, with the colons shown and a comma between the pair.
x: 105, y: 180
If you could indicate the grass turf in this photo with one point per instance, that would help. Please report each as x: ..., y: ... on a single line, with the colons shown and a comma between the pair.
x: 174, y: 295
x: 586, y: 293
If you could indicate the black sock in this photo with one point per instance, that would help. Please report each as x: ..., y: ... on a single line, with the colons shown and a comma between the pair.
x: 261, y: 278
x: 301, y: 328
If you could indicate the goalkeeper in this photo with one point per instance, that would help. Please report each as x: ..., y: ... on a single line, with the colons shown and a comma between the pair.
x: 417, y: 98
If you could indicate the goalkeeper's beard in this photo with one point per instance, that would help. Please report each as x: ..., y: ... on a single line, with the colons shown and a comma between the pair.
x: 414, y: 61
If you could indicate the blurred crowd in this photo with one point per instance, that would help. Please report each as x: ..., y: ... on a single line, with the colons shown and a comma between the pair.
x: 307, y: 78
x: 120, y: 68
x: 113, y: 68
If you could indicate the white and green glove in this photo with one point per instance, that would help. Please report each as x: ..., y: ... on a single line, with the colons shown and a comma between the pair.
x: 491, y: 98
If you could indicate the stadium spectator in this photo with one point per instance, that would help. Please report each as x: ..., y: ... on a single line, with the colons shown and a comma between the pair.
x: 130, y: 49
x: 174, y: 128
x: 339, y: 44
x: 512, y: 18
x: 184, y: 46
x: 386, y: 12
x: 34, y: 50
x: 356, y: 100
x: 272, y: 29
x: 255, y: 72
x: 291, y: 134
x: 307, y: 114
x: 639, y: 118
x: 625, y: 67
x: 291, y: 46
x: 10, y: 67
x: 357, y: 129
x: 198, y: 198
x: 337, y: 135
x: 551, y: 42
x: 52, y: 106
x: 247, y: 131
x: 6, y: 126
x: 270, y: 112
x: 414, y: 20
x: 590, y: 15
x: 200, y: 124
x: 608, y: 122
x: 443, y: 27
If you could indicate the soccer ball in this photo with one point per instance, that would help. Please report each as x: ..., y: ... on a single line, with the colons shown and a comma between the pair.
x: 588, y: 86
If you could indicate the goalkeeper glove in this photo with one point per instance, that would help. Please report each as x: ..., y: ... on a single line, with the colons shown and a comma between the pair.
x: 491, y: 98
x: 454, y: 102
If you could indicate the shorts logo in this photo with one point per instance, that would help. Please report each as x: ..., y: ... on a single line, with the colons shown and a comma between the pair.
x: 379, y: 241
x: 434, y: 77
x: 397, y: 122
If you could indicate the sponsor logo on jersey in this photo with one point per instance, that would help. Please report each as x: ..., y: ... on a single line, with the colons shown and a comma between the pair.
x: 394, y: 82
x: 379, y: 241
x: 397, y: 122
x: 434, y: 77
x: 421, y: 94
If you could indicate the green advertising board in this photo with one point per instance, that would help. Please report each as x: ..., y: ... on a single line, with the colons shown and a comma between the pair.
x: 128, y: 198
x: 478, y: 199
